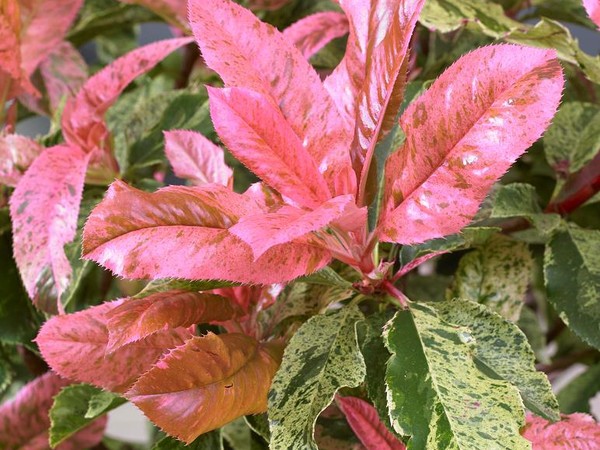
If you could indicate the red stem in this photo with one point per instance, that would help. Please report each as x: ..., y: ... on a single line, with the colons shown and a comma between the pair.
x: 396, y: 293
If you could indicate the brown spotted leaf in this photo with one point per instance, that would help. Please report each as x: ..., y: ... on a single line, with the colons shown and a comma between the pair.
x: 207, y: 383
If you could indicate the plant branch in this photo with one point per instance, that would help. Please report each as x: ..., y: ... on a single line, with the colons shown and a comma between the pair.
x: 191, y: 55
x: 566, y: 361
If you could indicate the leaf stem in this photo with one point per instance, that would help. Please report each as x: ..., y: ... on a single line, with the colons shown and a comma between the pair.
x: 395, y: 293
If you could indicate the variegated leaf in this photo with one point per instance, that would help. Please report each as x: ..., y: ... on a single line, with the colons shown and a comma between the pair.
x: 195, y: 158
x: 310, y: 34
x: 16, y: 155
x: 462, y: 134
x: 74, y: 345
x: 251, y: 54
x: 44, y: 209
x: 136, y: 319
x: 209, y: 381
x: 181, y: 232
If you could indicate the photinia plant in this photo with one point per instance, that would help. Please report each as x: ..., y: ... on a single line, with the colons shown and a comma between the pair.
x: 314, y: 228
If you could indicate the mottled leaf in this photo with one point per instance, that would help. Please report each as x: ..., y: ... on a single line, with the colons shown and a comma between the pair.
x: 327, y: 277
x: 593, y: 9
x: 136, y: 319
x: 68, y: 412
x: 248, y: 53
x: 16, y: 155
x: 572, y: 278
x: 437, y: 394
x: 24, y: 421
x: 208, y: 441
x: 74, y: 345
x: 365, y: 423
x: 182, y: 232
x: 44, y: 208
x: 462, y: 134
x: 322, y: 357
x: 257, y: 133
x: 497, y: 275
x: 573, y: 139
x: 310, y: 34
x: 263, y: 231
x: 196, y: 158
x: 206, y: 383
x: 83, y: 122
x: 504, y: 351
x: 573, y: 432
x: 576, y: 396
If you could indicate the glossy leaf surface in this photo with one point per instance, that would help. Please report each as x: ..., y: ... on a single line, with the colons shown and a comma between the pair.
x: 310, y: 34
x: 463, y: 133
x: 136, y: 319
x: 365, y: 423
x: 74, y: 345
x: 573, y: 432
x: 322, y: 357
x: 206, y: 383
x: 44, y: 220
x: 437, y: 394
x: 182, y: 232
x: 196, y: 158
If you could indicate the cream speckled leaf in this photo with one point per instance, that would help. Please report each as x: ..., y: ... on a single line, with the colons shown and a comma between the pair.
x: 497, y: 275
x: 322, y: 357
x: 437, y: 394
x: 503, y: 349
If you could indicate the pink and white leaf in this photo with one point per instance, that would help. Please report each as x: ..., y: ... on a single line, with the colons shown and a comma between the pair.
x: 16, y: 155
x: 44, y: 209
x: 593, y: 9
x: 83, y: 118
x: 463, y: 134
x: 47, y: 23
x: 264, y: 231
x: 248, y: 53
x: 136, y: 319
x: 75, y: 346
x: 182, y: 232
x: 196, y: 158
x: 574, y: 432
x: 257, y: 133
x: 364, y: 421
x: 24, y: 421
x: 310, y: 34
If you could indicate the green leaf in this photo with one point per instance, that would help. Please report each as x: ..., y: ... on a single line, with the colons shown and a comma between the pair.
x: 322, y: 357
x: 573, y: 139
x: 503, y: 350
x: 4, y: 220
x: 326, y: 277
x: 6, y: 376
x: 551, y: 34
x: 437, y: 394
x: 259, y: 423
x: 496, y: 275
x: 169, y: 284
x: 572, y: 278
x: 208, y: 441
x: 115, y: 43
x: 68, y: 413
x: 102, y: 402
x: 562, y: 10
x: 237, y: 434
x: 575, y: 397
x: 449, y: 15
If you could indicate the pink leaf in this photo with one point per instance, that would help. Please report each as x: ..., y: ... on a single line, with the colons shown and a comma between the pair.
x: 44, y: 209
x: 593, y: 9
x: 13, y: 78
x: 47, y: 23
x: 182, y: 232
x: 173, y: 11
x: 314, y: 32
x: 251, y: 54
x: 197, y: 159
x: 24, y: 421
x: 574, y: 432
x: 16, y: 155
x: 367, y: 426
x: 463, y: 134
x: 258, y: 135
x: 136, y: 319
x: 83, y: 118
x: 207, y: 383
x: 74, y: 345
x: 263, y: 231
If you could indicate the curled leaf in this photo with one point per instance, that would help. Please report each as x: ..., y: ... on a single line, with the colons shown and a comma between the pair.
x: 310, y: 34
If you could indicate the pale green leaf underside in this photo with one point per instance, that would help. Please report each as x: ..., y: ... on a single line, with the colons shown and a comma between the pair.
x: 322, y: 357
x: 436, y: 393
x: 496, y: 275
x: 504, y: 352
